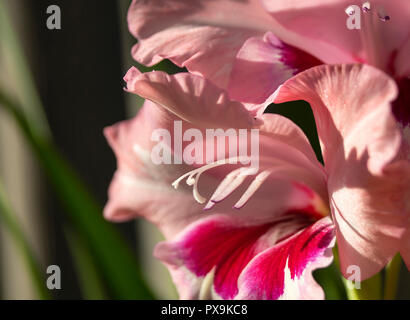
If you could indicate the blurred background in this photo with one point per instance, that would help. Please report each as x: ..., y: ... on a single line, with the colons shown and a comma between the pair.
x: 77, y: 81
x: 59, y: 89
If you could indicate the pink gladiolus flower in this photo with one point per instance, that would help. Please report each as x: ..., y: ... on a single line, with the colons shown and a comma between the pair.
x: 250, y: 47
x: 262, y: 235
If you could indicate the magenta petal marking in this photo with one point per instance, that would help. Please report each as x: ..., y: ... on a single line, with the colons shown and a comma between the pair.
x: 264, y: 278
x: 225, y: 247
x: 292, y: 57
x: 262, y: 65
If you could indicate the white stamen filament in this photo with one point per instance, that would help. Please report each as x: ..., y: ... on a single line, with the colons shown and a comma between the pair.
x: 366, y: 6
x: 254, y: 186
x: 350, y: 10
x: 193, y: 176
x: 231, y: 182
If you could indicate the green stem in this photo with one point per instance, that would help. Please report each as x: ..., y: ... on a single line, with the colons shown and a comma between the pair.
x: 370, y: 289
x: 330, y: 280
x: 392, y: 278
x: 13, y: 227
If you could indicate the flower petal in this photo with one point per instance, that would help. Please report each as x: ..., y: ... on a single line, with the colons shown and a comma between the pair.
x: 202, y: 35
x: 287, y: 153
x: 360, y: 141
x: 202, y: 105
x: 346, y: 101
x: 220, y: 247
x: 190, y: 98
x: 322, y: 29
x: 141, y: 188
x: 262, y: 65
x: 285, y: 270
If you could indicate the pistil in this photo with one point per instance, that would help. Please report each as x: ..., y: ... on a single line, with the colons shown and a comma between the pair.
x: 371, y: 36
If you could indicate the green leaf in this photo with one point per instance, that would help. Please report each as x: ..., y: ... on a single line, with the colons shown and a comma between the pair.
x: 165, y: 65
x: 8, y: 217
x: 301, y: 114
x: 330, y: 280
x: 114, y: 256
x: 392, y: 275
x: 91, y: 281
x: 14, y: 59
x: 370, y: 289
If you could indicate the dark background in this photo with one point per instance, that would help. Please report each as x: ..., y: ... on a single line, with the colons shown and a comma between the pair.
x: 78, y: 72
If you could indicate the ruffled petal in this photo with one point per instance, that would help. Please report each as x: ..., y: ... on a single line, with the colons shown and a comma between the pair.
x: 190, y: 98
x: 203, y: 36
x: 346, y: 101
x: 141, y: 187
x: 212, y: 253
x: 262, y: 65
x: 285, y: 270
x: 320, y: 28
x: 360, y: 141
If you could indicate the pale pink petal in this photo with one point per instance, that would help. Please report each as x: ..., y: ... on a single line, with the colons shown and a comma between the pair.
x: 212, y: 253
x: 191, y: 98
x: 142, y: 188
x: 262, y: 65
x: 195, y: 100
x: 285, y: 270
x: 295, y: 176
x: 320, y: 28
x: 371, y: 215
x: 360, y: 139
x: 346, y: 101
x: 284, y: 131
x: 202, y: 35
x: 286, y: 153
